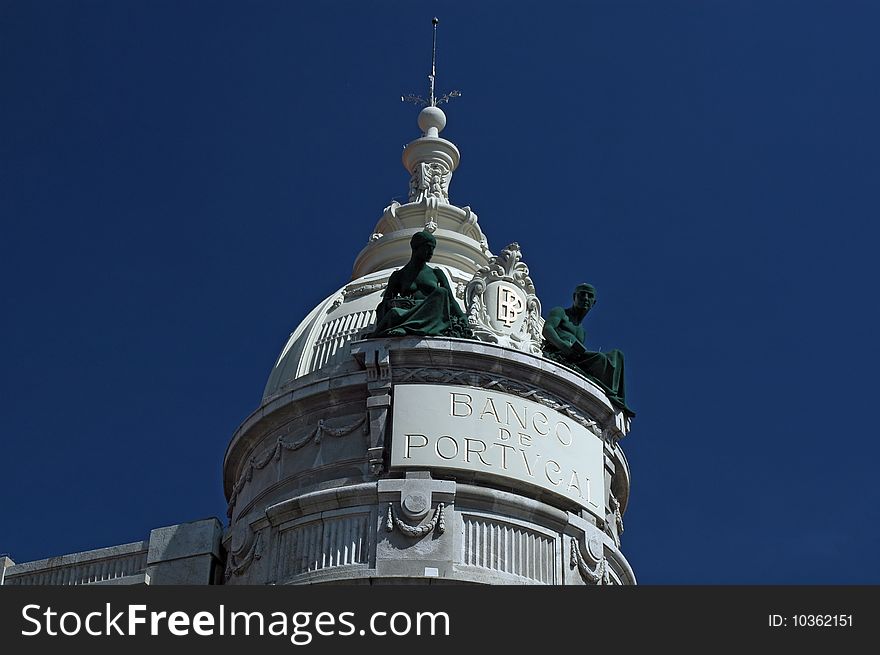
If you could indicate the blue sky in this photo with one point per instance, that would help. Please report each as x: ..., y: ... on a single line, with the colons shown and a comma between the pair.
x: 181, y: 182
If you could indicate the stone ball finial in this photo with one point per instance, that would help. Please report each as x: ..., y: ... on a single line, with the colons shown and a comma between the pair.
x: 432, y: 120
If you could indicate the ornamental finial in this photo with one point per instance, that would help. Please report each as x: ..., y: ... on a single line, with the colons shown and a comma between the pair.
x: 432, y: 100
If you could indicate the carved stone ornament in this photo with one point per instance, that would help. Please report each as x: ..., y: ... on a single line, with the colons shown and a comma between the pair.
x: 615, y: 533
x: 437, y: 523
x: 353, y: 291
x: 242, y: 556
x: 599, y: 574
x: 281, y: 446
x: 502, y: 307
x: 430, y: 179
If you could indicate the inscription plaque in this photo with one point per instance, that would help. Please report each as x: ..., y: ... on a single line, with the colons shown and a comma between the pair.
x: 471, y: 429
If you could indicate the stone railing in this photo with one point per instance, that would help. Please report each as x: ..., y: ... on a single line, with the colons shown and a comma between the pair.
x: 124, y: 564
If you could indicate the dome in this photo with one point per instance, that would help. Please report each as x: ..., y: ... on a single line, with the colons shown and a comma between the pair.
x: 321, y: 338
x: 324, y: 337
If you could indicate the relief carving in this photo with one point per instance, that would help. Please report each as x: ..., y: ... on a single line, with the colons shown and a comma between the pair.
x: 498, y: 383
x: 615, y: 532
x: 430, y: 180
x: 502, y: 307
x: 274, y: 453
x: 598, y: 575
x: 437, y: 523
x: 237, y: 563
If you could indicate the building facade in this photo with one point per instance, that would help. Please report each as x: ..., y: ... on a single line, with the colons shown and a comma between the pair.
x: 406, y: 459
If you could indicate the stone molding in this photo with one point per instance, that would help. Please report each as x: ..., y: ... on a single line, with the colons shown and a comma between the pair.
x: 460, y: 242
x: 281, y: 446
x: 321, y: 501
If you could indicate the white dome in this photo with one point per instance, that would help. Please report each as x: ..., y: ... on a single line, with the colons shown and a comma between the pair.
x: 320, y: 338
x: 323, y: 338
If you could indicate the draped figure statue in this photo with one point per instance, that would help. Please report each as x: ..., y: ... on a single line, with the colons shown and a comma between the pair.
x: 419, y: 299
x: 564, y: 339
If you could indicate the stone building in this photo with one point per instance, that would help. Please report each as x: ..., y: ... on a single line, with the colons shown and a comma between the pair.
x: 406, y: 458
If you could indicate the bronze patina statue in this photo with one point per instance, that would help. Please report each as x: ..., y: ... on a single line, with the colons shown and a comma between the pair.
x: 418, y: 299
x: 564, y: 343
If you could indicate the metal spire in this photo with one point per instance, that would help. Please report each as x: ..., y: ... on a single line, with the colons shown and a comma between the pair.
x: 432, y: 101
x: 434, y: 22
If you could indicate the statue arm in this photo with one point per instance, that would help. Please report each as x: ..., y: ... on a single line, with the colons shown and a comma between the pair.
x: 392, y: 289
x: 443, y: 281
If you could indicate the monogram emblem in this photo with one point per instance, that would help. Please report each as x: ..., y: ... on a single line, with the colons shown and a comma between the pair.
x: 509, y: 305
x: 501, y: 303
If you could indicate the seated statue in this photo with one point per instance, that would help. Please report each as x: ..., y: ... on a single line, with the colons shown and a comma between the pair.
x: 564, y: 343
x: 418, y: 299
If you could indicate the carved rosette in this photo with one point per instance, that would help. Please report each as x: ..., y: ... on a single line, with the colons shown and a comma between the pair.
x: 502, y: 307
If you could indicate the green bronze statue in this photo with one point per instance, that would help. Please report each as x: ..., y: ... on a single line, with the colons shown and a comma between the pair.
x: 564, y: 343
x: 419, y: 299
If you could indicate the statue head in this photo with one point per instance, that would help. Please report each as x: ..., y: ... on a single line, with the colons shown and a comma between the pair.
x: 584, y: 296
x: 423, y: 244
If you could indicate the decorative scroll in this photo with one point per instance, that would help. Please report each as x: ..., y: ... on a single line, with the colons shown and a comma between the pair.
x: 596, y: 576
x: 281, y: 445
x: 438, y: 522
x: 389, y: 222
x: 470, y: 227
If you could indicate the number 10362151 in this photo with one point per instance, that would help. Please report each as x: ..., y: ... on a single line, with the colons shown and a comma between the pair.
x: 810, y: 621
